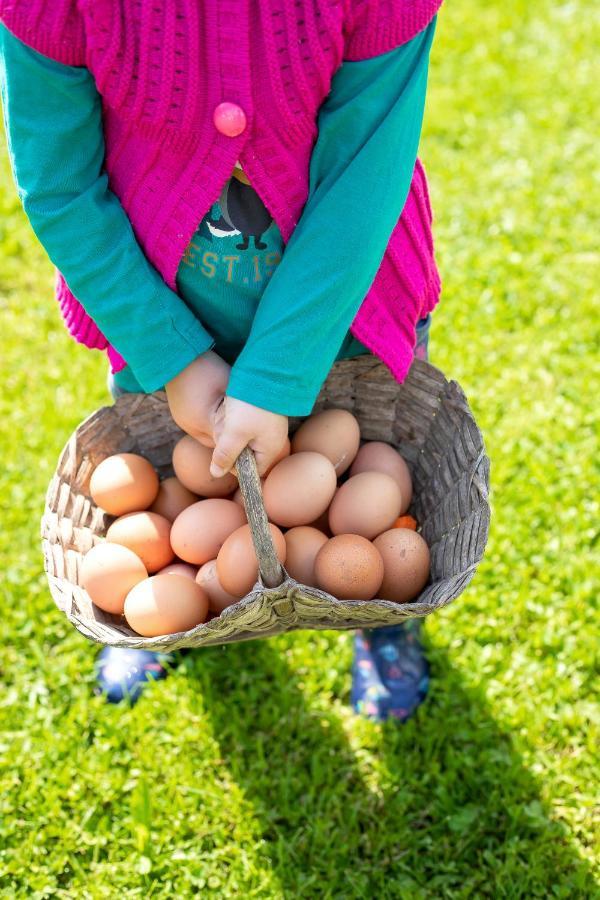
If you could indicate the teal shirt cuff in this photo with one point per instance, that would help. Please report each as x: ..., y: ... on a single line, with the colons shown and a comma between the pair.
x: 268, y: 393
x: 177, y: 350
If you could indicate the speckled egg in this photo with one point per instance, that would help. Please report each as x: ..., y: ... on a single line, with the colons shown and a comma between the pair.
x: 406, y: 562
x: 349, y: 567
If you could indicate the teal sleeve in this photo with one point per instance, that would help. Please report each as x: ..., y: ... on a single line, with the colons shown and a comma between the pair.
x: 360, y: 174
x: 53, y: 122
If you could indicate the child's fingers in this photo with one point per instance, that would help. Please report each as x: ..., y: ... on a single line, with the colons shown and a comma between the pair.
x: 228, y: 448
x: 264, y: 457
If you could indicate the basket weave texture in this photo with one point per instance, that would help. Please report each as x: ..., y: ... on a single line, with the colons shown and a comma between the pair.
x: 427, y: 419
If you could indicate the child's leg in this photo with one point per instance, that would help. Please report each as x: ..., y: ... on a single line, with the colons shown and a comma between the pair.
x: 390, y: 674
x: 122, y: 674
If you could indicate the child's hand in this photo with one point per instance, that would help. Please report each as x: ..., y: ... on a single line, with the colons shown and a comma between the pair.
x: 195, y: 395
x: 239, y: 425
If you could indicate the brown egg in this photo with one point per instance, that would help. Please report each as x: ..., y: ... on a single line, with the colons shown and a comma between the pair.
x: 299, y: 489
x: 172, y: 499
x: 208, y: 579
x: 406, y: 562
x: 147, y: 534
x: 366, y: 504
x: 379, y: 457
x: 334, y: 432
x: 237, y: 497
x: 191, y: 462
x: 322, y: 523
x: 165, y: 604
x: 285, y: 451
x: 124, y: 483
x: 198, y: 532
x: 179, y: 568
x: 108, y: 572
x: 302, y: 545
x: 237, y: 565
x: 349, y: 567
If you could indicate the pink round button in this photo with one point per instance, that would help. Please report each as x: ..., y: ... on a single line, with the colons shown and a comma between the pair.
x: 229, y: 119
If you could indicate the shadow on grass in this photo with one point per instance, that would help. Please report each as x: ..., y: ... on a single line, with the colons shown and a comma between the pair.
x: 449, y: 810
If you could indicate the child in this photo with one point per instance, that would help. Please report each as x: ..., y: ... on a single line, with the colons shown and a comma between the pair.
x: 231, y: 193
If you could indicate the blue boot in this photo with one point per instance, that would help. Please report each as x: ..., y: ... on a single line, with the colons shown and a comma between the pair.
x: 122, y: 673
x: 390, y: 674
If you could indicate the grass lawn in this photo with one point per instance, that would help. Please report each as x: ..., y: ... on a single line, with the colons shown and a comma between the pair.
x: 244, y: 774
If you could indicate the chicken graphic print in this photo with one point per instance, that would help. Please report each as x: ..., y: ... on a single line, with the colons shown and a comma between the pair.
x: 242, y: 212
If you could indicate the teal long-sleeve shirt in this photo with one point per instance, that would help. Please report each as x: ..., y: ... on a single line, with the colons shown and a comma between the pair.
x: 295, y: 323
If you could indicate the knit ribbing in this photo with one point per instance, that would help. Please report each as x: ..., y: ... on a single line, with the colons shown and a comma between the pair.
x: 60, y: 35
x: 380, y: 25
x: 163, y: 67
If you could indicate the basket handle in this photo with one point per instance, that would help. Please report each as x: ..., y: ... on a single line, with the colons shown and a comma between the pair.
x: 269, y: 566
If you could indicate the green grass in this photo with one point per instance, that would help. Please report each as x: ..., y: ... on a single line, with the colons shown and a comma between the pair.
x: 245, y: 775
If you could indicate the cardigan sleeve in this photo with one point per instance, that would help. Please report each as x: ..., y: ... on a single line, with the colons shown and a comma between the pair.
x: 360, y: 174
x: 377, y: 26
x: 53, y: 122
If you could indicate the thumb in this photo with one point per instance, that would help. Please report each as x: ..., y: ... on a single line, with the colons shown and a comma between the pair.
x: 228, y: 448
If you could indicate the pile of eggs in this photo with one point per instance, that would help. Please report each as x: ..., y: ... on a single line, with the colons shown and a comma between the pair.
x: 180, y: 550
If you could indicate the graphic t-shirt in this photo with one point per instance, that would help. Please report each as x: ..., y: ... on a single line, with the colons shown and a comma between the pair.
x: 228, y: 262
x: 232, y: 255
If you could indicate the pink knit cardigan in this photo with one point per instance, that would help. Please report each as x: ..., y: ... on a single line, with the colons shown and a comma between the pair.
x: 161, y: 68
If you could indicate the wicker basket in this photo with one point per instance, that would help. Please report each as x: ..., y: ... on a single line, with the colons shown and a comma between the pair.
x: 427, y: 418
